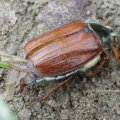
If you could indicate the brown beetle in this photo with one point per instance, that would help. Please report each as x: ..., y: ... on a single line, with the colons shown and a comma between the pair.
x: 64, y: 51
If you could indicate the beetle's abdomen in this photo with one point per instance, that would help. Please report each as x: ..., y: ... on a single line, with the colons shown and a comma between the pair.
x: 59, y: 55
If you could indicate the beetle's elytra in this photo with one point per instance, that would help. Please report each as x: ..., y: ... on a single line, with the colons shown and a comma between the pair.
x: 66, y: 49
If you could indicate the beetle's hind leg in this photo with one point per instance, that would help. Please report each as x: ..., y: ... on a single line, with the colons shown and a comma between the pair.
x: 68, y: 79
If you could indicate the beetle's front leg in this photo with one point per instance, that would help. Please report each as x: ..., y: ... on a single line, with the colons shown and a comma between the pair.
x: 102, y: 64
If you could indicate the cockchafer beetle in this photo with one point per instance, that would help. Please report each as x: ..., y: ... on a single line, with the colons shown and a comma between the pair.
x: 64, y: 51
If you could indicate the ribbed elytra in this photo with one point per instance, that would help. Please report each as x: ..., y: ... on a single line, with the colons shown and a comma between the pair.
x: 63, y: 53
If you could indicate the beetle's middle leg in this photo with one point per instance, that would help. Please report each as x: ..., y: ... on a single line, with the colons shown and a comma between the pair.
x: 98, y: 68
x: 68, y: 79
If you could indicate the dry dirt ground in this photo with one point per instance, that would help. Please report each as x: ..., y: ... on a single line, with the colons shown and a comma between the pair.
x: 97, y: 98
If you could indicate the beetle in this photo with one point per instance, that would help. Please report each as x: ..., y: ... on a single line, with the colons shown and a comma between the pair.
x: 64, y: 51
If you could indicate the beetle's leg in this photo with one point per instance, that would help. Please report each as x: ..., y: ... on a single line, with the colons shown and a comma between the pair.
x: 98, y: 69
x: 57, y: 87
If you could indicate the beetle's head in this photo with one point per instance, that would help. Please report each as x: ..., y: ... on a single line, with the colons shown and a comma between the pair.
x: 107, y: 37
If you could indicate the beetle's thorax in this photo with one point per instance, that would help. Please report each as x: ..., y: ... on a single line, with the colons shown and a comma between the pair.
x: 105, y: 34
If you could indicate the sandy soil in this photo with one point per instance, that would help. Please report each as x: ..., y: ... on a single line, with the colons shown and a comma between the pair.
x: 97, y: 98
